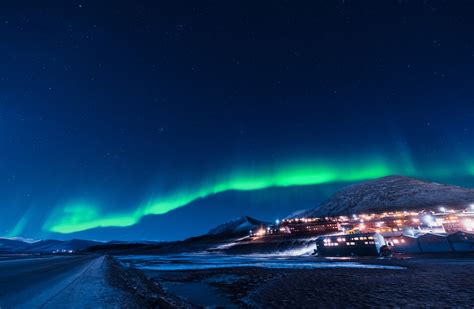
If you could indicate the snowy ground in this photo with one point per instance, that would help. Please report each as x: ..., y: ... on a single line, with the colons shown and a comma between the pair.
x: 59, y: 282
x: 276, y: 281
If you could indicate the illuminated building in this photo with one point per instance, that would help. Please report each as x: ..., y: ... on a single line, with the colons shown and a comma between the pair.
x: 363, y: 244
x: 390, y: 224
x: 403, y: 244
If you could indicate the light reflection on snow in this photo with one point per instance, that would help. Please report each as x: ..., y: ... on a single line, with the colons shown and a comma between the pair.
x: 211, y: 261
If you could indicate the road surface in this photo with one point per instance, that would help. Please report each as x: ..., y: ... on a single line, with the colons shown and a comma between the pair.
x: 58, y: 282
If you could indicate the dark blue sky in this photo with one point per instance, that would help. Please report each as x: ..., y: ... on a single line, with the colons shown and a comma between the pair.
x: 107, y: 109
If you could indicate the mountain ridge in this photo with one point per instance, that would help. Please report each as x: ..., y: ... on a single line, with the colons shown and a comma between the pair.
x: 241, y: 225
x: 392, y: 193
x: 44, y: 246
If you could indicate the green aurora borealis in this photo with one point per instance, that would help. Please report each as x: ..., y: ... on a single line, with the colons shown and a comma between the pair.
x: 160, y: 121
x: 83, y: 215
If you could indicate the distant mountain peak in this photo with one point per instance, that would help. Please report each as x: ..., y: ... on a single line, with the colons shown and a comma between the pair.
x: 392, y: 193
x: 237, y: 226
x: 43, y: 246
x: 296, y: 213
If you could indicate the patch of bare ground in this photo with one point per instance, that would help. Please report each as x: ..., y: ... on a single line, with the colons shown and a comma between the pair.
x: 144, y: 292
x: 235, y: 283
x: 434, y: 282
x: 433, y: 285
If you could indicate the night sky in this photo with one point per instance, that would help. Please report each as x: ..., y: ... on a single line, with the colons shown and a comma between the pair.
x: 158, y: 120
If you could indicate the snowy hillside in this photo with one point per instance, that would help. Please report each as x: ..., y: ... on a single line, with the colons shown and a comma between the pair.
x: 391, y: 193
x: 44, y: 246
x: 241, y: 225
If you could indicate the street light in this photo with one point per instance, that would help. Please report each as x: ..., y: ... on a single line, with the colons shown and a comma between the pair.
x: 428, y: 220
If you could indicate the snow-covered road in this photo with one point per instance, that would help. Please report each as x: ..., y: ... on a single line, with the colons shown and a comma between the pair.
x: 58, y: 282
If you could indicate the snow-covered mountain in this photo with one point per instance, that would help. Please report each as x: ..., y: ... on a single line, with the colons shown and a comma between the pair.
x: 44, y: 246
x: 11, y: 245
x: 52, y: 245
x: 392, y: 193
x: 296, y: 214
x: 241, y: 225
